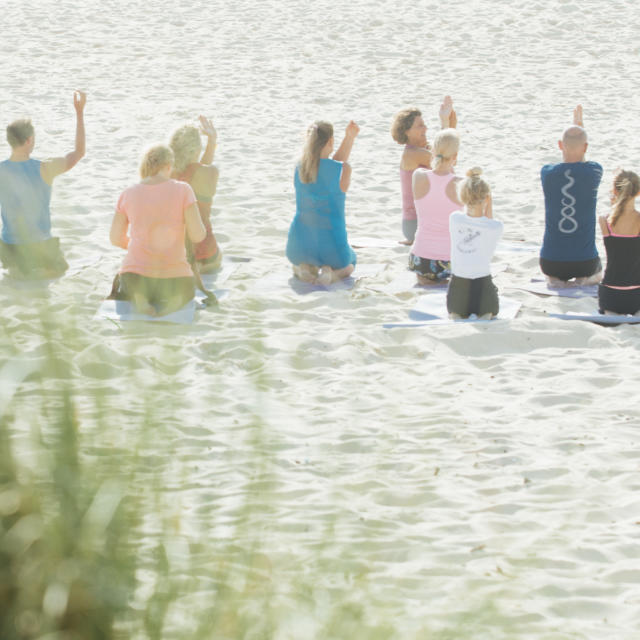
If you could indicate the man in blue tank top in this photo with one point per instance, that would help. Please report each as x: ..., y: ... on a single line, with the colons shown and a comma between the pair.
x: 27, y: 248
x: 570, y: 195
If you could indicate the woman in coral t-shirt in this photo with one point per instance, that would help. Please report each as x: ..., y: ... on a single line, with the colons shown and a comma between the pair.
x: 155, y: 274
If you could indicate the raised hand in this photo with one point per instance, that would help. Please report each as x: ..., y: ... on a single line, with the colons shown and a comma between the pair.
x: 577, y: 116
x: 352, y: 130
x: 207, y: 128
x: 446, y: 108
x: 79, y: 100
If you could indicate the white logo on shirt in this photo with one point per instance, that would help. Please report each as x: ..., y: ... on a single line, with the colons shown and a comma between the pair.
x: 568, y: 223
x: 468, y: 236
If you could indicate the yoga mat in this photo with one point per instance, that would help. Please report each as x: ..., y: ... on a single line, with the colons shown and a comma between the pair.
x: 407, y: 281
x: 510, y: 246
x: 542, y: 288
x: 598, y: 318
x: 286, y: 280
x: 433, y: 310
x: 368, y: 242
x: 123, y: 311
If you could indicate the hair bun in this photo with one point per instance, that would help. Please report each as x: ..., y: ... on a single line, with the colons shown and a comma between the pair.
x: 474, y: 171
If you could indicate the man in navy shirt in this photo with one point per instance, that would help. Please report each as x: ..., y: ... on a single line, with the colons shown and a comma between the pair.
x: 570, y: 194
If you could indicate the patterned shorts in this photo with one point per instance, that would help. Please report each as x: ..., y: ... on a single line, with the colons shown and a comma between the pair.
x: 431, y: 269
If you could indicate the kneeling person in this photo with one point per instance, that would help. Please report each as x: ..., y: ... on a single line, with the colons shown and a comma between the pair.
x: 474, y: 236
x: 570, y: 194
x: 27, y: 248
x: 155, y: 275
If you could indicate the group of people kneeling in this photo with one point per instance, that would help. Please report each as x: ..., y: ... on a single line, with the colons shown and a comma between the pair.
x: 163, y: 222
x: 448, y: 221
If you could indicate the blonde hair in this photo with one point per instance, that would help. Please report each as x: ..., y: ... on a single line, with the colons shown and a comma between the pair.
x: 318, y: 134
x: 186, y: 146
x: 626, y: 186
x: 402, y: 123
x: 473, y: 189
x: 154, y: 159
x: 445, y: 146
x: 18, y: 132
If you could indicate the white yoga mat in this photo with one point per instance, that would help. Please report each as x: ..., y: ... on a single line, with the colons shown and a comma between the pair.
x: 433, y: 310
x: 598, y: 318
x: 286, y: 280
x: 542, y: 288
x: 519, y: 247
x: 368, y: 242
x: 124, y: 311
x: 407, y: 281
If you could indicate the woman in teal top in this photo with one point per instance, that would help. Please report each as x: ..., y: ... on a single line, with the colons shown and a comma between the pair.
x: 317, y: 245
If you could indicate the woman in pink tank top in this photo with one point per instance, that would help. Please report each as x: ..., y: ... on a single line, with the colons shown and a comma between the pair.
x: 408, y: 128
x: 436, y: 198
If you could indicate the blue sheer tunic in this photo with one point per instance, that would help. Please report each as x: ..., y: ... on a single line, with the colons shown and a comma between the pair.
x: 318, y: 234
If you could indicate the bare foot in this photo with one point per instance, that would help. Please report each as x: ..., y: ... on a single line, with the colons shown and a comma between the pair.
x: 485, y: 316
x: 589, y: 280
x: 455, y: 316
x: 305, y: 272
x: 407, y: 243
x: 325, y: 276
x: 143, y: 306
x: 556, y: 283
x: 424, y: 281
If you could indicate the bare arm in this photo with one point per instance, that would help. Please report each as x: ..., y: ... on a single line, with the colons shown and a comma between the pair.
x: 195, y: 229
x: 448, y: 116
x: 603, y: 226
x: 488, y: 209
x: 577, y: 116
x: 118, y: 232
x: 345, y: 177
x: 344, y: 150
x: 207, y: 128
x: 52, y: 168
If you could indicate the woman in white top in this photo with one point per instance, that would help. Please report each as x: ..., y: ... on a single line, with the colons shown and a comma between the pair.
x: 474, y: 236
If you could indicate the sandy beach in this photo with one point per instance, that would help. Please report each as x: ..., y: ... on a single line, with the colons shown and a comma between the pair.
x: 349, y: 481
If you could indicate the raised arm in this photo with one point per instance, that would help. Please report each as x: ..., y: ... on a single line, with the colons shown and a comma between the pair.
x: 207, y: 128
x: 448, y: 116
x: 52, y: 168
x: 344, y: 150
x: 577, y: 116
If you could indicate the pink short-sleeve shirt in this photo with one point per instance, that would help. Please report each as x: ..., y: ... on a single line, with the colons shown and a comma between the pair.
x: 155, y: 213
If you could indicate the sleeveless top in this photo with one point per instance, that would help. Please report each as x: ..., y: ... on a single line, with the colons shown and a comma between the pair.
x: 209, y: 246
x: 623, y: 260
x: 24, y: 202
x: 318, y: 233
x: 433, y: 240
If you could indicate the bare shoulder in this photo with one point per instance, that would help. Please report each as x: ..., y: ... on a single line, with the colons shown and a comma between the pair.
x: 413, y: 157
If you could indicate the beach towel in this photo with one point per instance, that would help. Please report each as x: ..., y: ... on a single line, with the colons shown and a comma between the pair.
x: 542, y: 288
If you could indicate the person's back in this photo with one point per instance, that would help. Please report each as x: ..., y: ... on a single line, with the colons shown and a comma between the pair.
x: 432, y: 239
x: 27, y: 247
x: 570, y: 195
x: 155, y: 213
x: 24, y: 202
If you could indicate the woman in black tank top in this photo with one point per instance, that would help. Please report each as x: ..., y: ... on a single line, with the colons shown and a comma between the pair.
x: 619, y: 292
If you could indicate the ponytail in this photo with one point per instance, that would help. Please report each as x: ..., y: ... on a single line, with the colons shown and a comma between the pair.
x: 445, y: 146
x: 318, y: 134
x: 626, y: 186
x: 473, y: 189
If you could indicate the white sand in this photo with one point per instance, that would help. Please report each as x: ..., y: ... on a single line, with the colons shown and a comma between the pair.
x: 475, y: 481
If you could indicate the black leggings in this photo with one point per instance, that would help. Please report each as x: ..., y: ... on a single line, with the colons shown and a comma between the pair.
x: 623, y: 301
x: 478, y: 295
x: 567, y: 270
